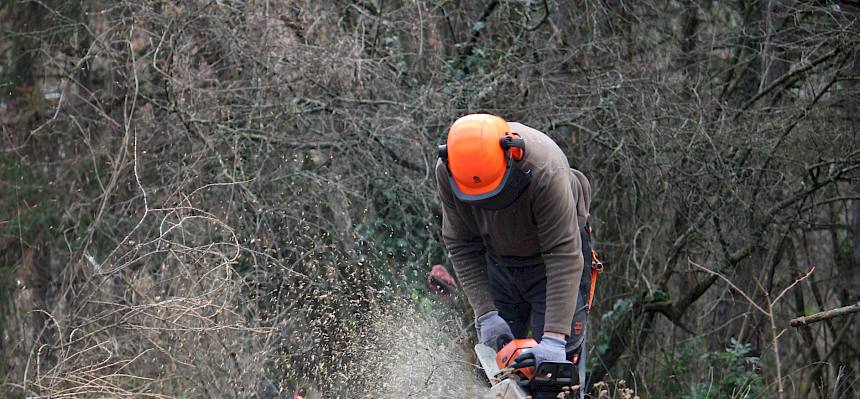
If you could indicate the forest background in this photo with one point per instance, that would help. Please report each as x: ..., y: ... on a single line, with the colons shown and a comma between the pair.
x: 224, y: 198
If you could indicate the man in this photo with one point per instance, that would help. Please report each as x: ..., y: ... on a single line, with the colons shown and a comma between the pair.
x: 513, y: 222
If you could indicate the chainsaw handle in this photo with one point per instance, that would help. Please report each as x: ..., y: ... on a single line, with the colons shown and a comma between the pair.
x: 549, y: 378
x: 525, y: 360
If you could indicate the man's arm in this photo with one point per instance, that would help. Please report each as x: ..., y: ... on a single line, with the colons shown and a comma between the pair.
x: 465, y: 248
x: 554, y: 210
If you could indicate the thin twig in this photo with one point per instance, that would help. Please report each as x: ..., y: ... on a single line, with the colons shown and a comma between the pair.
x: 804, y: 277
x: 734, y: 287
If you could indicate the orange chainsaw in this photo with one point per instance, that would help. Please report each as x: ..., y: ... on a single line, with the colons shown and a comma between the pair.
x: 510, y: 379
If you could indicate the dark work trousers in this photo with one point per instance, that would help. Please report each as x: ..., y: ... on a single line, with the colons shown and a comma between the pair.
x: 519, y: 294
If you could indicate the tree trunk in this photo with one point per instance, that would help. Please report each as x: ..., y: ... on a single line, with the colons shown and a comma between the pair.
x: 773, y: 63
x: 855, y: 256
x: 688, y: 42
x: 853, y: 111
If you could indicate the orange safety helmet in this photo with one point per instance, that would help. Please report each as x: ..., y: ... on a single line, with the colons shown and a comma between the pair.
x: 481, y: 155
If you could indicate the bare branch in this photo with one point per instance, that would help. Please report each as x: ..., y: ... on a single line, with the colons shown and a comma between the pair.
x: 825, y: 315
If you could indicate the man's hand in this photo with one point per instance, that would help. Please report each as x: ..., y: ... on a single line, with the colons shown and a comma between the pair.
x: 495, y: 331
x: 550, y: 348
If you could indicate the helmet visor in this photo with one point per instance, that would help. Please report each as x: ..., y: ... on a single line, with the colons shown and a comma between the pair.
x: 513, y: 185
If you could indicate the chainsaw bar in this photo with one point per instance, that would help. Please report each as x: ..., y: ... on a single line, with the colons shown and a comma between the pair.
x: 487, y: 359
x: 503, y: 387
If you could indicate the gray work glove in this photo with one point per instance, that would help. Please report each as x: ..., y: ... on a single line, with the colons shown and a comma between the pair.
x: 495, y: 331
x: 549, y: 349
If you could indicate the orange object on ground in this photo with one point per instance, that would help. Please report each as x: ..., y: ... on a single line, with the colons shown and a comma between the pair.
x: 441, y: 282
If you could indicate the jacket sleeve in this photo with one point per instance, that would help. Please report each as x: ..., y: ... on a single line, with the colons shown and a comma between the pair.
x: 554, y: 208
x: 465, y: 247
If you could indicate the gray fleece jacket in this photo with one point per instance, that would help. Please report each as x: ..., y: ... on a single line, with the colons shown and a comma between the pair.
x: 542, y: 226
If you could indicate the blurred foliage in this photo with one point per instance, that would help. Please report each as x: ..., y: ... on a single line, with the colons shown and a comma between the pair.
x: 609, y: 319
x: 27, y: 200
x: 28, y: 23
x: 733, y: 373
x: 28, y: 218
x: 401, y: 229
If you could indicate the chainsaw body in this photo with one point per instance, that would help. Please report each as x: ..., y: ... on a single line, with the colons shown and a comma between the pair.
x: 512, y: 380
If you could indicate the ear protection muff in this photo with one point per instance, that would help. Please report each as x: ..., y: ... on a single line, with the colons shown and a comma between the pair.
x: 514, y: 146
x: 512, y: 143
x: 515, y: 181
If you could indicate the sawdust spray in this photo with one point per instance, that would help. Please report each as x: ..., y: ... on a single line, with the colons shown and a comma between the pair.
x: 404, y: 347
x: 416, y: 350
